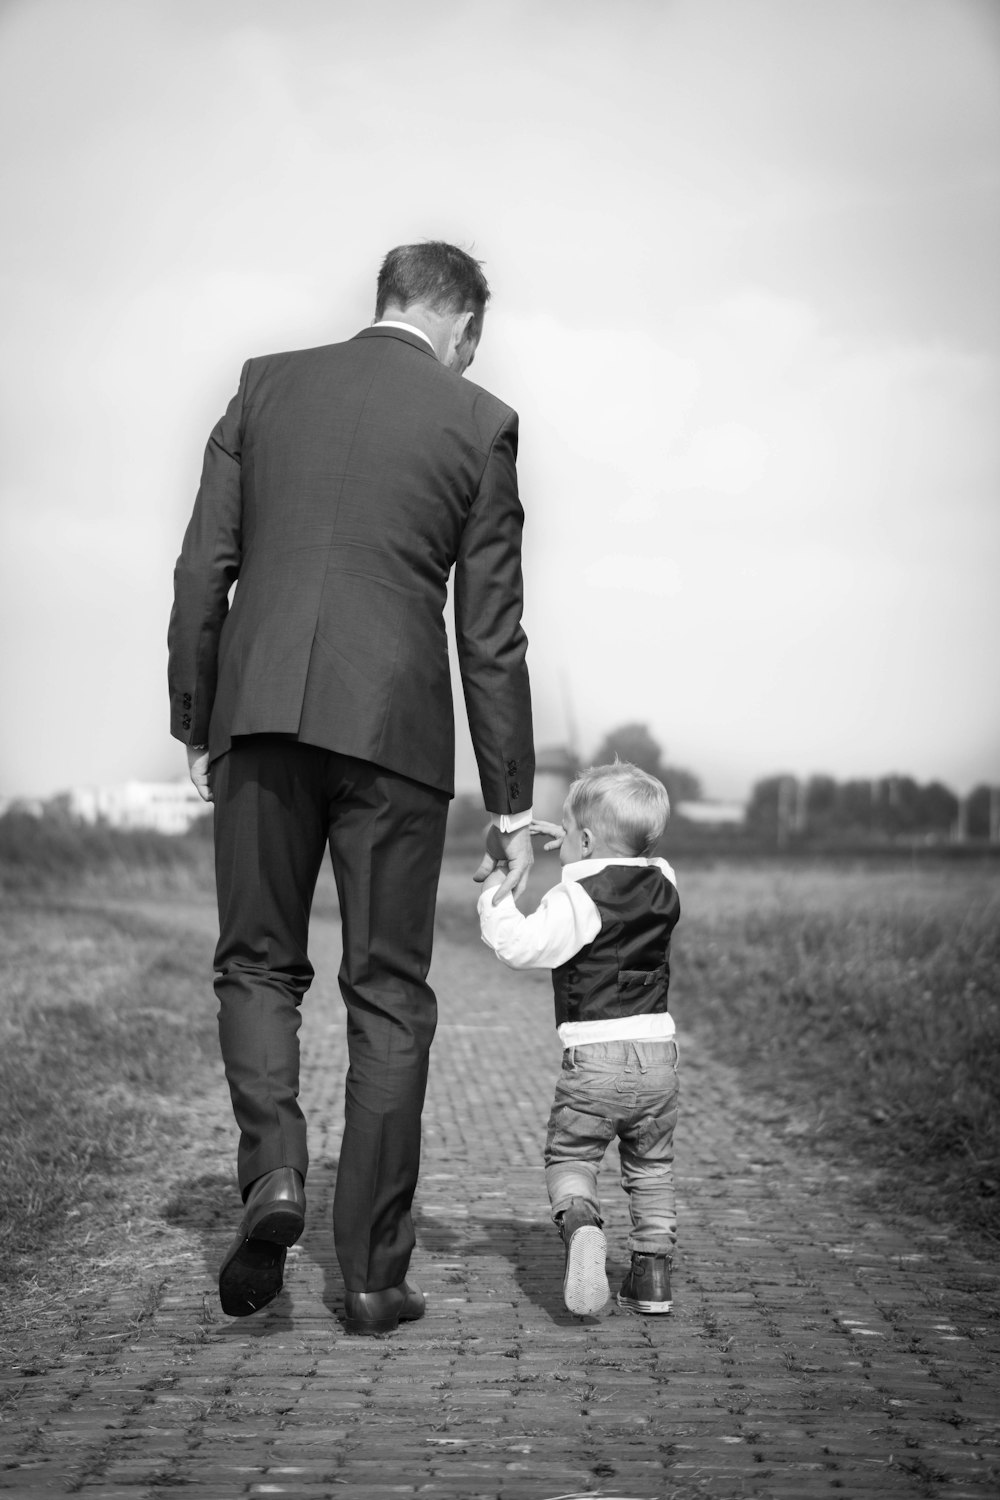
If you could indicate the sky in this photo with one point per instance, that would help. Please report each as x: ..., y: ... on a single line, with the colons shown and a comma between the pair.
x: 745, y: 260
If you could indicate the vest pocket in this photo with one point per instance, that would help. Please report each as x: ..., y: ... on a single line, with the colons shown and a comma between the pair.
x: 642, y: 989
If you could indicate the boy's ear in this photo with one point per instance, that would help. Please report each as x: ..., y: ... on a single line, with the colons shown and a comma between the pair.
x: 586, y: 842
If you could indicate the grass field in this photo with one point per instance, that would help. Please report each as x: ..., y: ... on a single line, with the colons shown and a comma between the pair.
x: 103, y: 1024
x: 864, y: 1003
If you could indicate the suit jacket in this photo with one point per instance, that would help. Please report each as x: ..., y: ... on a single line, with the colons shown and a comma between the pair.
x: 340, y: 488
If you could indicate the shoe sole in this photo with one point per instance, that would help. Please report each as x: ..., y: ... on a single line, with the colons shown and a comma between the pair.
x: 632, y: 1304
x: 384, y: 1325
x: 387, y: 1325
x: 585, y: 1284
x: 252, y: 1273
x: 250, y: 1277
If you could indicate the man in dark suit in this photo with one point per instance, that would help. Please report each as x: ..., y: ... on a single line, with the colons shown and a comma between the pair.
x: 340, y: 489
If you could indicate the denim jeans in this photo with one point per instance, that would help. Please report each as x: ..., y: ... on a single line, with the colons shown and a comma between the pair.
x: 628, y: 1090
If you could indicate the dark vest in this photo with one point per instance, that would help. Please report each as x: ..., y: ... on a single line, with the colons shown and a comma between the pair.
x: 625, y: 971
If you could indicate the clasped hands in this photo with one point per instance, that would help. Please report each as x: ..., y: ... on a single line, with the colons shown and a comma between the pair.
x: 509, y: 856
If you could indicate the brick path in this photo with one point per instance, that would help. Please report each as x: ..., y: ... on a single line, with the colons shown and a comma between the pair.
x: 813, y: 1350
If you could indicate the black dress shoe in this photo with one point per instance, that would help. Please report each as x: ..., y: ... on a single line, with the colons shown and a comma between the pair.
x: 379, y: 1312
x: 252, y: 1269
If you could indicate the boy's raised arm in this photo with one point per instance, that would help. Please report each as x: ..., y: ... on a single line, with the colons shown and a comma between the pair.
x: 566, y: 919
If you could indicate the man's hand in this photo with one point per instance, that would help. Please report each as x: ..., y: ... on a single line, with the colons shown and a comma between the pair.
x: 198, y: 770
x: 513, y: 850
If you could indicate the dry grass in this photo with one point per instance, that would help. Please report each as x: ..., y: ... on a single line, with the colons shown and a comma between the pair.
x: 104, y: 1025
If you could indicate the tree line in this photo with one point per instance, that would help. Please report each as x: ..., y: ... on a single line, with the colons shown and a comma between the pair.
x: 820, y: 806
x: 886, y: 807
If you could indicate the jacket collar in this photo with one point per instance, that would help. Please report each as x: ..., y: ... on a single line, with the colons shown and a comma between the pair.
x: 382, y: 331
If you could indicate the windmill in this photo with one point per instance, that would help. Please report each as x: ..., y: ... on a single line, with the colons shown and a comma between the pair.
x: 557, y: 765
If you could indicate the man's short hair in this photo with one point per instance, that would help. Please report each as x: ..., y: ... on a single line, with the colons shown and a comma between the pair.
x: 440, y: 276
x: 622, y: 805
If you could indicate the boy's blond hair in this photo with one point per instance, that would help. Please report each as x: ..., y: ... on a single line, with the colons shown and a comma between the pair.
x: 622, y: 805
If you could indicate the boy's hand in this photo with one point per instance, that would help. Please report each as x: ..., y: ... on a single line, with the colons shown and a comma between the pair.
x: 495, y: 877
x: 551, y: 831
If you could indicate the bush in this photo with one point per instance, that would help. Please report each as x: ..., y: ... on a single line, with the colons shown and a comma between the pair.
x: 38, y: 852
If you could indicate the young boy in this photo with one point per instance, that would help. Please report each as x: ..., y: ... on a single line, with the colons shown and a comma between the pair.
x: 604, y: 931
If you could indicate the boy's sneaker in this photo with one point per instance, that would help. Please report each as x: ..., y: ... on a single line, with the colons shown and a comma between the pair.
x: 585, y: 1282
x: 646, y: 1288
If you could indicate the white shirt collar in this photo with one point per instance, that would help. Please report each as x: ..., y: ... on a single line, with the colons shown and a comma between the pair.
x: 580, y: 869
x: 392, y: 323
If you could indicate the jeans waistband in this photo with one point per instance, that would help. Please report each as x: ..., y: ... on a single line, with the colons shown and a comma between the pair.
x: 644, y: 1051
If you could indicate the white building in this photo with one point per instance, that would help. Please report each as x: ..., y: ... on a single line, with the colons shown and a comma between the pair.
x: 713, y: 814
x: 167, y: 806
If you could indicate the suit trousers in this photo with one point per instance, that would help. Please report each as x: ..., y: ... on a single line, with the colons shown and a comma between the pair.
x: 278, y: 805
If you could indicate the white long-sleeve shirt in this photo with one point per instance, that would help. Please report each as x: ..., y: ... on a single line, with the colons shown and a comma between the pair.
x: 565, y: 921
